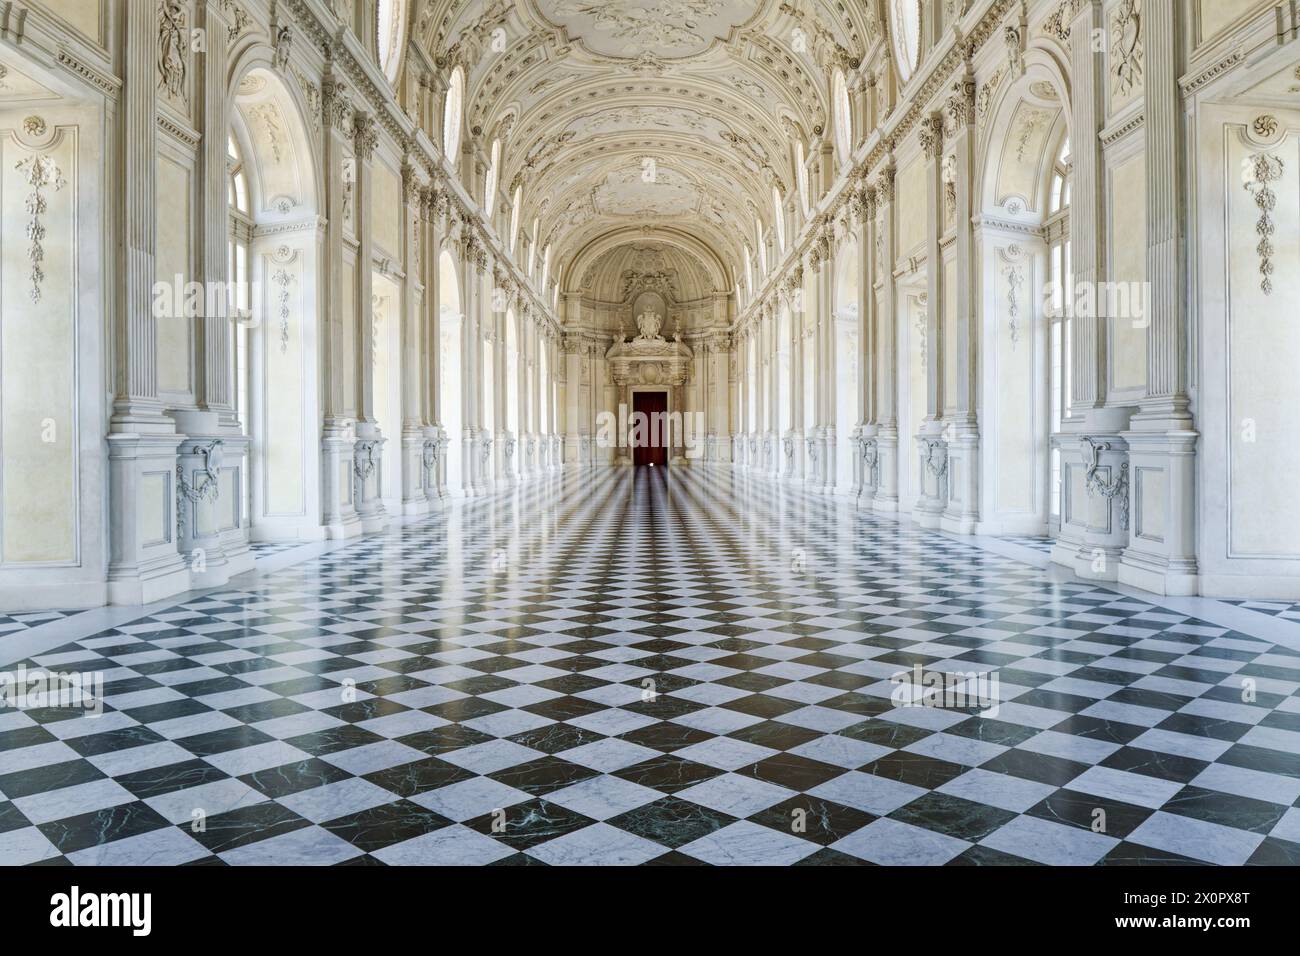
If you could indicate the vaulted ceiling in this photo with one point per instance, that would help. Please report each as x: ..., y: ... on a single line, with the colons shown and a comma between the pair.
x: 663, y: 115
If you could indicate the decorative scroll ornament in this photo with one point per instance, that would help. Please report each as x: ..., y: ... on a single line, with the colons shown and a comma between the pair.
x: 1015, y: 50
x: 363, y: 458
x: 41, y: 173
x: 283, y: 46
x: 429, y: 459
x: 365, y: 135
x: 936, y: 456
x: 207, y: 487
x: 870, y: 459
x: 1262, y: 170
x: 931, y: 135
x: 1117, y: 488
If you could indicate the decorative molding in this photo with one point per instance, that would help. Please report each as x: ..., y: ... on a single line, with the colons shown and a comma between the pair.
x: 283, y: 278
x: 1126, y: 47
x: 1265, y: 170
x: 40, y: 173
x: 208, y: 486
x: 186, y: 136
x: 1091, y: 449
x: 173, y: 44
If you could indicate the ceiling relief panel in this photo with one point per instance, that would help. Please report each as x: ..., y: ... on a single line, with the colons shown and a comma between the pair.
x: 629, y: 192
x: 660, y: 28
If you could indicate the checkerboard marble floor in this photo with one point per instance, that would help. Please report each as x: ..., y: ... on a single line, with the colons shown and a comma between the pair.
x: 663, y: 666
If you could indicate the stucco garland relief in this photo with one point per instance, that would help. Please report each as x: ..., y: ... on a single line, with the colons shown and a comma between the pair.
x: 41, y: 173
x: 1264, y: 169
x: 283, y: 278
x: 1013, y: 271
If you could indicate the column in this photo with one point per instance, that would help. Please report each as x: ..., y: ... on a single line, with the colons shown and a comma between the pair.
x: 1161, y: 436
x: 144, y: 563
x: 338, y: 438
x: 1093, y: 454
x: 883, y: 256
x: 961, y: 512
x: 415, y: 356
x: 930, y: 441
x: 368, y: 451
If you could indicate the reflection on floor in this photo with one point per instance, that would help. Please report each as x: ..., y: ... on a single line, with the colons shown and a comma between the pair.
x: 660, y: 666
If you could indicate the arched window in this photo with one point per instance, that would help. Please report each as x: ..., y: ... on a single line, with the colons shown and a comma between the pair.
x: 801, y: 175
x: 749, y: 270
x: 778, y: 219
x: 843, y: 121
x: 762, y: 246
x: 515, y: 202
x: 1060, y: 196
x: 532, y: 249
x: 546, y: 267
x: 451, y: 115
x: 236, y: 178
x: 1060, y: 308
x: 490, y: 183
x: 905, y: 30
x: 239, y: 235
x: 390, y: 35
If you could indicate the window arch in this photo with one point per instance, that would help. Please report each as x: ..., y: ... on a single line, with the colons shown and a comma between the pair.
x: 490, y: 183
x: 451, y: 115
x: 843, y: 121
x: 1060, y: 309
x: 236, y: 177
x: 801, y: 175
x: 905, y: 33
x: 778, y: 219
x: 390, y: 36
x: 1060, y: 195
x: 515, y: 202
x: 532, y: 248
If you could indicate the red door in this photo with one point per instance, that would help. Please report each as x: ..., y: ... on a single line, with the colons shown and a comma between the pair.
x: 650, y: 440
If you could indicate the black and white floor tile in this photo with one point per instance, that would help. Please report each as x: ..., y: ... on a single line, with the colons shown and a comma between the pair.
x: 660, y: 666
x: 21, y: 621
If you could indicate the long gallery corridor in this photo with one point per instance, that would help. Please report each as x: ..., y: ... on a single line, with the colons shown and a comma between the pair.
x: 661, y: 666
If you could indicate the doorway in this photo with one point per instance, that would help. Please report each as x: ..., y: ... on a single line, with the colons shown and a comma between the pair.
x: 649, y: 436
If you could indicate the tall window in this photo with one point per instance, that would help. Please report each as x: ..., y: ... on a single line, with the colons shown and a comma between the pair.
x: 778, y: 219
x: 905, y: 32
x: 490, y: 184
x: 801, y: 175
x: 451, y: 115
x: 1061, y: 308
x: 762, y: 247
x: 390, y: 35
x: 532, y: 250
x: 239, y: 234
x: 515, y: 202
x: 843, y: 121
x: 749, y: 270
x: 546, y: 267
